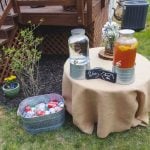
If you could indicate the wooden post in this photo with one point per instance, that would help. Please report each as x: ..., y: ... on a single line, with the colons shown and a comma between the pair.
x: 80, y: 12
x: 89, y: 12
x: 16, y: 7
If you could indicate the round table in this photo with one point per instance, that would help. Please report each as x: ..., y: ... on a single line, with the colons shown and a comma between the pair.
x: 113, y: 107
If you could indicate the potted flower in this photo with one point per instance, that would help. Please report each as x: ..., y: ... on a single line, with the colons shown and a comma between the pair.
x: 110, y: 32
x: 11, y: 87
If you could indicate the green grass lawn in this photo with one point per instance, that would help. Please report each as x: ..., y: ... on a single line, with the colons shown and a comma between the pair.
x: 68, y: 137
x: 144, y: 38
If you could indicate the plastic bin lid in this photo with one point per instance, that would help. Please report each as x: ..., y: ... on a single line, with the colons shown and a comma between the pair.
x: 135, y: 2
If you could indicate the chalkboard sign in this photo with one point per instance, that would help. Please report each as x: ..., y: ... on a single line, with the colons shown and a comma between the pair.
x: 102, y: 74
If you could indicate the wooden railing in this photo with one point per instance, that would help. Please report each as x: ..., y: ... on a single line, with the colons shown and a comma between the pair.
x: 5, y: 9
x: 6, y: 6
x: 3, y: 4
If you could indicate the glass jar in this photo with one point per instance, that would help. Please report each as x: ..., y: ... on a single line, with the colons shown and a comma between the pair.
x: 78, y: 53
x: 124, y: 56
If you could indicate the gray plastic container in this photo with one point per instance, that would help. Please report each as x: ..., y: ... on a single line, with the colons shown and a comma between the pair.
x: 134, y: 14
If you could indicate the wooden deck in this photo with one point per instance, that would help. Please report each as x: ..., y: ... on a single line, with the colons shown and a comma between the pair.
x: 46, y: 9
x: 53, y: 15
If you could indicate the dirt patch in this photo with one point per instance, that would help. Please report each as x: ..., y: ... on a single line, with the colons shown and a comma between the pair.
x: 51, y: 71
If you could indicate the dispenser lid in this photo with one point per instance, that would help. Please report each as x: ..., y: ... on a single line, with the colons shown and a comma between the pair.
x: 126, y: 31
x: 77, y: 31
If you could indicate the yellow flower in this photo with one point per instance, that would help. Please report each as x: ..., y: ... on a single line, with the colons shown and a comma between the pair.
x: 10, y: 78
x: 13, y: 77
x: 5, y: 79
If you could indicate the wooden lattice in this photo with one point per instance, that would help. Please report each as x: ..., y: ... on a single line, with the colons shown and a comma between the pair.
x: 5, y: 69
x: 56, y: 38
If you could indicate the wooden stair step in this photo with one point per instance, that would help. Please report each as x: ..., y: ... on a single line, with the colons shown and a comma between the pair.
x: 7, y: 27
x: 9, y: 20
x: 3, y: 41
x: 44, y: 10
x: 52, y: 15
x: 13, y: 14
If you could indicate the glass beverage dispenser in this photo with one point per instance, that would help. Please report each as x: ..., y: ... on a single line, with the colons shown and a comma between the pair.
x: 124, y: 56
x: 79, y: 53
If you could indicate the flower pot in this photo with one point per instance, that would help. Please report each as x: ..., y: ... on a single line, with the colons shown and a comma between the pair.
x: 11, y: 92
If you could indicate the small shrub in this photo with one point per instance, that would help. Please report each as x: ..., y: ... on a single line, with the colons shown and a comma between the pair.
x: 25, y: 60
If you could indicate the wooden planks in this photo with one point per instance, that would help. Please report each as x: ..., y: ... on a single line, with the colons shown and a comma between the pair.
x: 46, y: 2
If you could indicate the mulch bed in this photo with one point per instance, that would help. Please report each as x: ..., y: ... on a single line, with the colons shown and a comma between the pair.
x: 51, y: 71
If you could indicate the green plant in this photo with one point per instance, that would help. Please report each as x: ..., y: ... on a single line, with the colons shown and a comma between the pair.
x: 25, y: 60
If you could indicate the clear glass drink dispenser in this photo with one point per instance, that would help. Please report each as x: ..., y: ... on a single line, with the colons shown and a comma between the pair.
x: 79, y: 53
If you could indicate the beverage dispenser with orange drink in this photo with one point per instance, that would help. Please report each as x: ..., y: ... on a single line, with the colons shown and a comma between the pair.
x: 124, y: 56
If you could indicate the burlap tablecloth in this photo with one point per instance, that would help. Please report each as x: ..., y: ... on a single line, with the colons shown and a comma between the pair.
x: 112, y: 106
